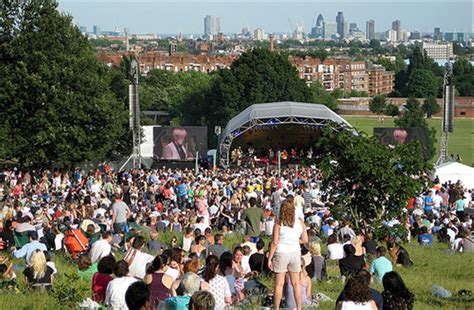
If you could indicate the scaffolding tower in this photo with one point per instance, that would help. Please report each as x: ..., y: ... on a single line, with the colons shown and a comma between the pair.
x: 447, y: 114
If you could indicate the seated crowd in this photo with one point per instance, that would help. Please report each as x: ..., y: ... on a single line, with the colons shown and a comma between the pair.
x: 157, y: 238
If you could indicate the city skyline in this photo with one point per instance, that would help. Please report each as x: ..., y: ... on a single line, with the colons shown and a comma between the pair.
x: 279, y: 17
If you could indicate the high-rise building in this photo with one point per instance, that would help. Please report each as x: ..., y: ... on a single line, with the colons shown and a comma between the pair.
x: 439, y: 51
x: 415, y: 35
x: 330, y: 30
x: 83, y: 29
x: 259, y: 34
x: 391, y: 36
x: 437, y: 35
x: 397, y: 26
x: 298, y: 34
x: 318, y: 30
x: 370, y: 29
x: 341, y: 25
x: 96, y: 30
x: 455, y: 37
x: 212, y: 26
x: 352, y: 27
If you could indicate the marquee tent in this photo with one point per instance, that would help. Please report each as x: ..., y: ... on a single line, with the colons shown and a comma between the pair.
x: 455, y: 171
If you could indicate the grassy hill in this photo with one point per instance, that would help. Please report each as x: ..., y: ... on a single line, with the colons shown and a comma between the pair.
x: 461, y: 141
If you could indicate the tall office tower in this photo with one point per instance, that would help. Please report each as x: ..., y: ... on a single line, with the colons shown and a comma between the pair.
x: 318, y: 30
x: 341, y: 31
x: 212, y: 26
x: 437, y: 35
x: 330, y: 30
x: 83, y: 29
x: 96, y: 30
x: 397, y: 26
x: 259, y: 34
x: 352, y: 27
x: 370, y: 29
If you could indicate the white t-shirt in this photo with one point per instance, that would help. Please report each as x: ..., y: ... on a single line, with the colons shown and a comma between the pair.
x: 350, y: 305
x: 174, y: 273
x: 437, y: 200
x: 138, y: 266
x: 219, y: 288
x: 290, y: 238
x: 269, y: 227
x: 245, y: 264
x: 187, y: 243
x: 115, y: 293
x: 335, y: 251
x: 100, y: 248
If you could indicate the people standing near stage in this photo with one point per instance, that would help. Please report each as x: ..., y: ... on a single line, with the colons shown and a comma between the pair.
x: 254, y: 218
x: 120, y: 214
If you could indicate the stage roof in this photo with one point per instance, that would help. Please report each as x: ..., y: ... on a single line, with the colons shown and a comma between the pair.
x: 281, y: 109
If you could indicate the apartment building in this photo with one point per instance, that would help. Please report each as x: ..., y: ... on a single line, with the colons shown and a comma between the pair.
x: 332, y: 73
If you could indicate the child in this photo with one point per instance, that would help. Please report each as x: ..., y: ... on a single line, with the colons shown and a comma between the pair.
x: 7, y: 275
x: 305, y: 282
x: 246, y: 258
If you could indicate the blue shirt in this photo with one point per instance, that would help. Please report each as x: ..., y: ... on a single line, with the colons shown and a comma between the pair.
x: 28, y: 249
x: 425, y: 239
x: 428, y: 203
x: 380, y: 267
x: 182, y: 190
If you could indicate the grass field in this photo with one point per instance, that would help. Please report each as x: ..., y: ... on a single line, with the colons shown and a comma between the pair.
x: 432, y: 265
x: 461, y: 141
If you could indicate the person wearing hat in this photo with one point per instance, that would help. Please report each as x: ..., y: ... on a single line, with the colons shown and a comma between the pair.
x: 30, y: 247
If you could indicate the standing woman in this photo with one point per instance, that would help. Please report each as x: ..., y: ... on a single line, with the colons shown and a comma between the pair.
x: 285, y: 251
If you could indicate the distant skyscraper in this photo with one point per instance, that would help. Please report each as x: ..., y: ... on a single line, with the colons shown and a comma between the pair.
x: 340, y: 25
x: 415, y: 35
x: 318, y: 30
x: 437, y: 35
x: 370, y: 29
x: 352, y: 27
x: 397, y: 26
x: 391, y: 36
x: 96, y: 30
x: 83, y: 29
x: 330, y: 30
x: 259, y: 34
x: 212, y: 26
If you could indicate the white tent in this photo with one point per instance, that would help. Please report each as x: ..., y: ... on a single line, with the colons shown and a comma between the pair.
x: 455, y: 171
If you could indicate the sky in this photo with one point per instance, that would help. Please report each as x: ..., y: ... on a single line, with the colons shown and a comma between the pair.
x: 277, y: 16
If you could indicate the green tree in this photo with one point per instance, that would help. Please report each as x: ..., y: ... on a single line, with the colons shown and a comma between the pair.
x: 392, y: 110
x: 430, y: 106
x: 258, y: 76
x: 368, y: 182
x: 413, y: 116
x: 322, y: 96
x: 378, y: 104
x: 422, y: 83
x: 463, y: 77
x: 56, y: 105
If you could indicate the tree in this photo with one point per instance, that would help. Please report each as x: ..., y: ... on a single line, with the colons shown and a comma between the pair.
x: 368, y: 182
x: 422, y: 83
x: 322, y: 96
x: 378, y: 104
x: 463, y: 76
x: 430, y: 106
x: 56, y: 105
x: 414, y: 117
x: 392, y: 110
x: 258, y: 76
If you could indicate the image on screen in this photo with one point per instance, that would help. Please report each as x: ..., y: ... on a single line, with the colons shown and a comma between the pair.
x: 179, y: 143
x: 392, y: 136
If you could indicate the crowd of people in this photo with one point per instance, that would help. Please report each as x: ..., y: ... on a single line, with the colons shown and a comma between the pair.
x: 121, y: 228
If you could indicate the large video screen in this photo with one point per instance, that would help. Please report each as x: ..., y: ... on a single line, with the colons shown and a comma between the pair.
x: 393, y: 136
x: 179, y: 143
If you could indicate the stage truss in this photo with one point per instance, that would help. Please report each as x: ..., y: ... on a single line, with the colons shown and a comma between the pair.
x: 265, y: 124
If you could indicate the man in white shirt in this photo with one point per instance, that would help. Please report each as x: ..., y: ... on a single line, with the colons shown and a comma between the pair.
x: 136, y: 259
x: 101, y: 248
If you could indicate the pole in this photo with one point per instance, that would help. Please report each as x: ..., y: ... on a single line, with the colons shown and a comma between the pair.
x: 214, y: 161
x: 196, y: 167
x: 279, y: 163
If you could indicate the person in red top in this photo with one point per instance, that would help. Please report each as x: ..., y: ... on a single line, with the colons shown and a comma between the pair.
x: 102, y: 277
x: 410, y: 204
